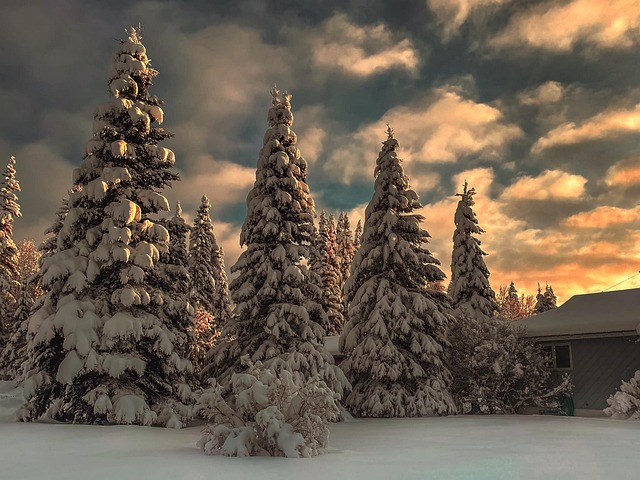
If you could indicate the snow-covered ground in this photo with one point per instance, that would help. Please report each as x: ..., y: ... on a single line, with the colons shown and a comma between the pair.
x: 463, y: 447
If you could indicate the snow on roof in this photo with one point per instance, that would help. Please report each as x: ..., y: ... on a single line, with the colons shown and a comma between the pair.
x: 589, y: 314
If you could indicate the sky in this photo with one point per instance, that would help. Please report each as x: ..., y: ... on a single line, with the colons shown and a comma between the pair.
x: 536, y: 104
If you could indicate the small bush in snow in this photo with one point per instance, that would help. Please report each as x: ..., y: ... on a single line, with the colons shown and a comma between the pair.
x: 625, y: 403
x: 268, y: 414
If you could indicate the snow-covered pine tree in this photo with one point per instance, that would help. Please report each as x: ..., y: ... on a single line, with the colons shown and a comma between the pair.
x: 550, y: 298
x: 9, y: 282
x: 171, y: 277
x: 209, y: 289
x: 357, y: 237
x: 540, y: 303
x: 325, y: 265
x: 277, y: 320
x: 27, y: 266
x: 469, y: 288
x: 14, y: 353
x: 395, y: 338
x: 50, y: 244
x: 221, y: 295
x: 345, y: 250
x: 103, y: 348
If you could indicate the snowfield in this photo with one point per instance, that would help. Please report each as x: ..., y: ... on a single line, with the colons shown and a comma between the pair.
x: 462, y: 447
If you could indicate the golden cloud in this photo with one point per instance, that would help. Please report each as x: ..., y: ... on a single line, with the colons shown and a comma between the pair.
x: 624, y: 173
x: 439, y: 129
x: 607, y: 124
x: 560, y: 26
x: 452, y: 14
x: 361, y: 51
x: 550, y: 185
x: 548, y: 92
x: 603, y: 217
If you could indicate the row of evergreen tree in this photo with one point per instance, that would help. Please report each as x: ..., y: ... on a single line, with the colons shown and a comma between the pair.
x: 111, y: 338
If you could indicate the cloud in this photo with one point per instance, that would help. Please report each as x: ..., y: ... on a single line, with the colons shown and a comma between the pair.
x: 452, y: 14
x: 550, y: 185
x: 607, y: 124
x: 440, y: 128
x: 625, y: 173
x: 361, y: 51
x: 604, y: 217
x: 225, y: 183
x: 309, y: 126
x: 548, y: 92
x: 560, y: 27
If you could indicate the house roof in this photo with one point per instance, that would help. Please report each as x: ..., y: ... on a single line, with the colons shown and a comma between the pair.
x: 592, y: 314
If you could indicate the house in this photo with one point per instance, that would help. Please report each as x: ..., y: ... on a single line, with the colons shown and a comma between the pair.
x: 594, y: 338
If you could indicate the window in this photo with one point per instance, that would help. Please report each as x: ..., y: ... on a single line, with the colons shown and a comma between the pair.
x: 559, y: 356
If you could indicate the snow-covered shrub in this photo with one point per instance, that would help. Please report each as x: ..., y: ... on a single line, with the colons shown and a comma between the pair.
x: 268, y: 414
x: 625, y: 403
x: 497, y: 370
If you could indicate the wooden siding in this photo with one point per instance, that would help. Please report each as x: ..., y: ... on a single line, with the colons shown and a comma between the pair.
x: 599, y: 366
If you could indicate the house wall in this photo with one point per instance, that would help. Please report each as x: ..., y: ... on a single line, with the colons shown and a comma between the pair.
x: 599, y: 366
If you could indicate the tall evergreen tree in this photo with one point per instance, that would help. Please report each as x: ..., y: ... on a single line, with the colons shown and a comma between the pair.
x: 172, y: 276
x: 345, y: 247
x: 395, y: 338
x: 14, y: 353
x: 9, y: 284
x: 550, y: 298
x: 469, y: 288
x: 277, y: 320
x: 345, y: 250
x: 540, y: 301
x: 357, y: 237
x: 14, y: 359
x: 325, y: 266
x: 104, y: 349
x: 209, y: 287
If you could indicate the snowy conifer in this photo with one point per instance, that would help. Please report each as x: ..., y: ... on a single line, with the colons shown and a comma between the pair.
x: 14, y: 354
x: 345, y: 248
x: 625, y: 403
x: 540, y: 301
x: 9, y: 282
x: 277, y: 320
x: 469, y: 288
x: 50, y: 244
x: 103, y: 348
x: 325, y: 265
x: 171, y: 275
x: 550, y: 298
x: 357, y: 237
x: 395, y: 338
x: 208, y: 279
